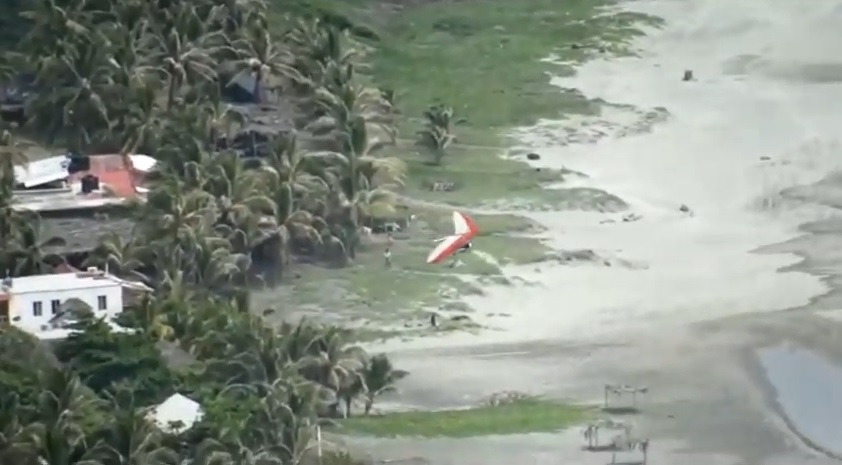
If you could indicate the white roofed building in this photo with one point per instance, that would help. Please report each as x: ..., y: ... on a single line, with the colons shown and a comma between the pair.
x: 40, y: 172
x: 176, y: 415
x: 36, y: 304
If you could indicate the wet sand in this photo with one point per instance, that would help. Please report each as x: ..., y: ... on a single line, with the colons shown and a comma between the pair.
x: 752, y: 148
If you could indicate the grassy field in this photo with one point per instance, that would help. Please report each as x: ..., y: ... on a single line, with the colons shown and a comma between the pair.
x: 522, y: 416
x: 482, y: 56
x: 385, y: 300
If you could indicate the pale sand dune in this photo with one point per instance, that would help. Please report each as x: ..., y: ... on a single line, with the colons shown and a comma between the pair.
x: 765, y: 88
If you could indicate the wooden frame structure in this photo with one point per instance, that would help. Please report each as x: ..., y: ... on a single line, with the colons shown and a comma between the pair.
x: 617, y: 391
x: 619, y: 443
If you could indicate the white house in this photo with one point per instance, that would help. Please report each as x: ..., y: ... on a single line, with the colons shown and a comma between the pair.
x: 35, y: 303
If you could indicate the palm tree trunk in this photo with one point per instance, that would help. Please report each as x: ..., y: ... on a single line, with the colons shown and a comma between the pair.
x: 258, y: 80
x: 171, y: 92
x: 348, y: 401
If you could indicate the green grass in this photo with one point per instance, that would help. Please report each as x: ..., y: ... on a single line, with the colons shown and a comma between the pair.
x: 482, y: 56
x: 368, y: 289
x: 522, y: 416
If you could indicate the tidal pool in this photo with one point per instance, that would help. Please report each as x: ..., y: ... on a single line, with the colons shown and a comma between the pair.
x: 808, y: 388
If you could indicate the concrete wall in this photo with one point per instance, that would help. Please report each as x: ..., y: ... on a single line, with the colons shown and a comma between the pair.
x: 23, y: 305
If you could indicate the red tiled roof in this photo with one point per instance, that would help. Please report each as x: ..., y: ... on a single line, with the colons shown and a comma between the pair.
x: 111, y: 171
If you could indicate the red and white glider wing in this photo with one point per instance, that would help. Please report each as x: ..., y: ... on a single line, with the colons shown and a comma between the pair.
x: 464, y: 229
x: 463, y: 225
x: 446, y: 248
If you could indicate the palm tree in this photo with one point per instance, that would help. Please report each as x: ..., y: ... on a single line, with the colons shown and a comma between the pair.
x: 334, y: 364
x: 28, y: 251
x: 279, y: 430
x: 131, y: 439
x: 181, y: 58
x: 64, y: 406
x: 19, y: 441
x: 342, y: 104
x: 437, y: 134
x: 318, y: 47
x: 289, y: 175
x: 263, y: 58
x: 379, y: 377
x: 56, y: 27
x: 143, y: 120
x: 81, y: 84
x: 152, y: 319
x: 118, y: 256
x: 176, y: 214
x: 234, y: 15
x: 11, y: 154
x: 240, y: 198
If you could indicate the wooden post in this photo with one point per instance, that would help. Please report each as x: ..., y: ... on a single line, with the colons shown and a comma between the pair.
x: 319, y: 443
x: 605, y: 402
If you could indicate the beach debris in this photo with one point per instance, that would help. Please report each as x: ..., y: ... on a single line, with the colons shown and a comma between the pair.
x: 506, y: 398
x: 578, y: 255
x: 464, y: 229
x: 686, y: 210
x: 765, y: 158
x: 688, y: 75
x: 533, y: 156
x: 442, y: 186
x: 390, y: 227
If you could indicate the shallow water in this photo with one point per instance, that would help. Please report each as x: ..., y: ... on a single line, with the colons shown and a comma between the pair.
x: 809, y: 391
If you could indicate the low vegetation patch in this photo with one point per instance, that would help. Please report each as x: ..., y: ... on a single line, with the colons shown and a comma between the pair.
x: 526, y: 415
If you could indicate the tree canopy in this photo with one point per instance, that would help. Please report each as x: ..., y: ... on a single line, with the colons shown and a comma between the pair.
x: 131, y: 76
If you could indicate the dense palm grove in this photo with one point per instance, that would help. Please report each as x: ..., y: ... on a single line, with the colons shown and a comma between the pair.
x: 145, y: 76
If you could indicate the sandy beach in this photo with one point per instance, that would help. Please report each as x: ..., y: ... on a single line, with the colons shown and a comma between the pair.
x: 751, y: 148
x: 755, y: 123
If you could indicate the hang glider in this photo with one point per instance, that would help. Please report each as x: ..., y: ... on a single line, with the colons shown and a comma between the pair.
x: 464, y: 230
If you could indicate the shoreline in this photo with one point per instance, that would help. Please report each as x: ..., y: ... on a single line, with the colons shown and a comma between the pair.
x: 752, y: 155
x: 737, y: 241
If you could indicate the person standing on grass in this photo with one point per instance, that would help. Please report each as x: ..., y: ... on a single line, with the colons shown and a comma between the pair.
x: 387, y: 255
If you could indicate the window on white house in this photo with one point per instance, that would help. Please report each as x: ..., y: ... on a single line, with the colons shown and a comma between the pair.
x: 55, y: 305
x: 37, y: 309
x: 101, y: 302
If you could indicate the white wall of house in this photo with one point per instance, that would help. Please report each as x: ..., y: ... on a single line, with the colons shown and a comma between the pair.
x: 31, y: 311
